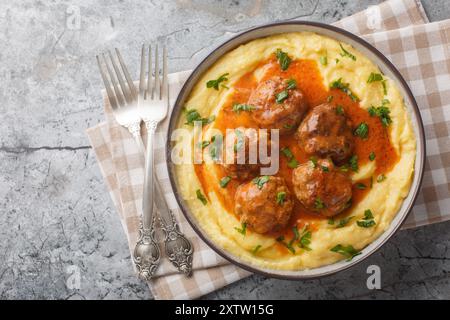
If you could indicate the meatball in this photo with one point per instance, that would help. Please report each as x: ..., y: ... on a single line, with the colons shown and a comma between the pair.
x: 322, y: 188
x: 285, y: 114
x: 245, y: 161
x: 327, y: 132
x: 264, y: 204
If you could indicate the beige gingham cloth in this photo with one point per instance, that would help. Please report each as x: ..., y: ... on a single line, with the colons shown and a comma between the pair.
x: 398, y: 28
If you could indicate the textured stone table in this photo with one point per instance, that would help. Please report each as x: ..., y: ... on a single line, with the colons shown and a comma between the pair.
x: 56, y: 217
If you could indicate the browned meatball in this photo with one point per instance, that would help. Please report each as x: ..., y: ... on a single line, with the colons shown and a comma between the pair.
x: 326, y: 132
x: 322, y: 188
x: 242, y: 166
x: 264, y: 204
x: 284, y: 115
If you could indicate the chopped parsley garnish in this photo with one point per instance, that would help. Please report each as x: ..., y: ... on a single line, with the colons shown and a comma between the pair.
x: 224, y: 181
x: 281, y: 96
x: 193, y: 115
x: 238, y: 107
x: 347, y: 251
x: 281, y: 197
x: 383, y: 83
x: 339, y: 110
x: 331, y: 221
x: 243, y: 229
x: 260, y: 181
x: 204, y: 144
x: 324, y: 60
x: 304, y: 238
x: 215, y: 83
x: 367, y: 221
x: 353, y: 163
x: 343, y: 222
x: 318, y: 203
x: 381, y: 178
x: 256, y: 249
x: 213, y: 151
x: 289, y: 246
x: 288, y: 126
x: 287, y: 152
x: 313, y: 161
x: 325, y: 168
x: 362, y: 130
x: 330, y: 98
x: 291, y: 84
x: 361, y: 186
x: 372, y: 156
x: 346, y: 53
x: 344, y: 87
x: 375, y: 77
x: 381, y: 112
x: 283, y: 59
x: 201, y: 197
x: 293, y: 163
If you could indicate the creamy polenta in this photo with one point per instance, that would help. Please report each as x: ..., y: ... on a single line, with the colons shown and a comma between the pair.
x: 381, y: 169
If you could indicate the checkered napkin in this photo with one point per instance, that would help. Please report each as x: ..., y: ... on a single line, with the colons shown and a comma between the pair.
x: 400, y: 29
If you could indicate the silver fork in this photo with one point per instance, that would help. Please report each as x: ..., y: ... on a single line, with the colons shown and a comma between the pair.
x: 124, y: 102
x: 153, y: 103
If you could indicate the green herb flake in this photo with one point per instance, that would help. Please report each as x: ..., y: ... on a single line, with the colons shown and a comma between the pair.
x: 260, y: 181
x: 224, y: 181
x: 293, y: 163
x: 291, y: 84
x: 193, y: 116
x: 289, y: 246
x: 343, y: 222
x: 287, y: 126
x: 361, y: 186
x: 372, y: 156
x: 243, y: 229
x: 353, y: 163
x: 339, y: 110
x: 283, y: 59
x: 305, y: 238
x: 375, y: 77
x: 381, y: 178
x: 324, y: 168
x: 318, y: 204
x: 346, y: 53
x: 367, y: 221
x: 215, y: 83
x: 204, y: 144
x: 323, y: 60
x: 287, y: 152
x: 330, y: 98
x: 281, y: 96
x: 256, y: 249
x: 313, y: 161
x: 201, y: 197
x: 344, y: 87
x: 331, y: 221
x: 347, y: 251
x: 281, y: 197
x: 238, y: 107
x: 382, y: 112
x: 362, y: 130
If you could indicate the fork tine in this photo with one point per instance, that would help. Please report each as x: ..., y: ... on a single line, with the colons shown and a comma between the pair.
x: 119, y: 97
x: 122, y: 85
x: 127, y: 74
x: 157, y: 86
x: 142, y: 74
x: 109, y: 91
x: 164, y: 88
x: 150, y: 74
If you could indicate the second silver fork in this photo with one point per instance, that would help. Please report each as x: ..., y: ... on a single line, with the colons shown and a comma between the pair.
x: 153, y: 102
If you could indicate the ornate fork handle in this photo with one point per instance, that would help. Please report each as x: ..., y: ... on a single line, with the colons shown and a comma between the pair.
x: 146, y: 253
x: 178, y: 249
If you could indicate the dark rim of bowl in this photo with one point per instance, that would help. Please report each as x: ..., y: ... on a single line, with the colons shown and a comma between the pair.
x: 228, y: 256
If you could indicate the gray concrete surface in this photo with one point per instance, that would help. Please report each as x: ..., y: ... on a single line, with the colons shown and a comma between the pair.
x: 55, y: 213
